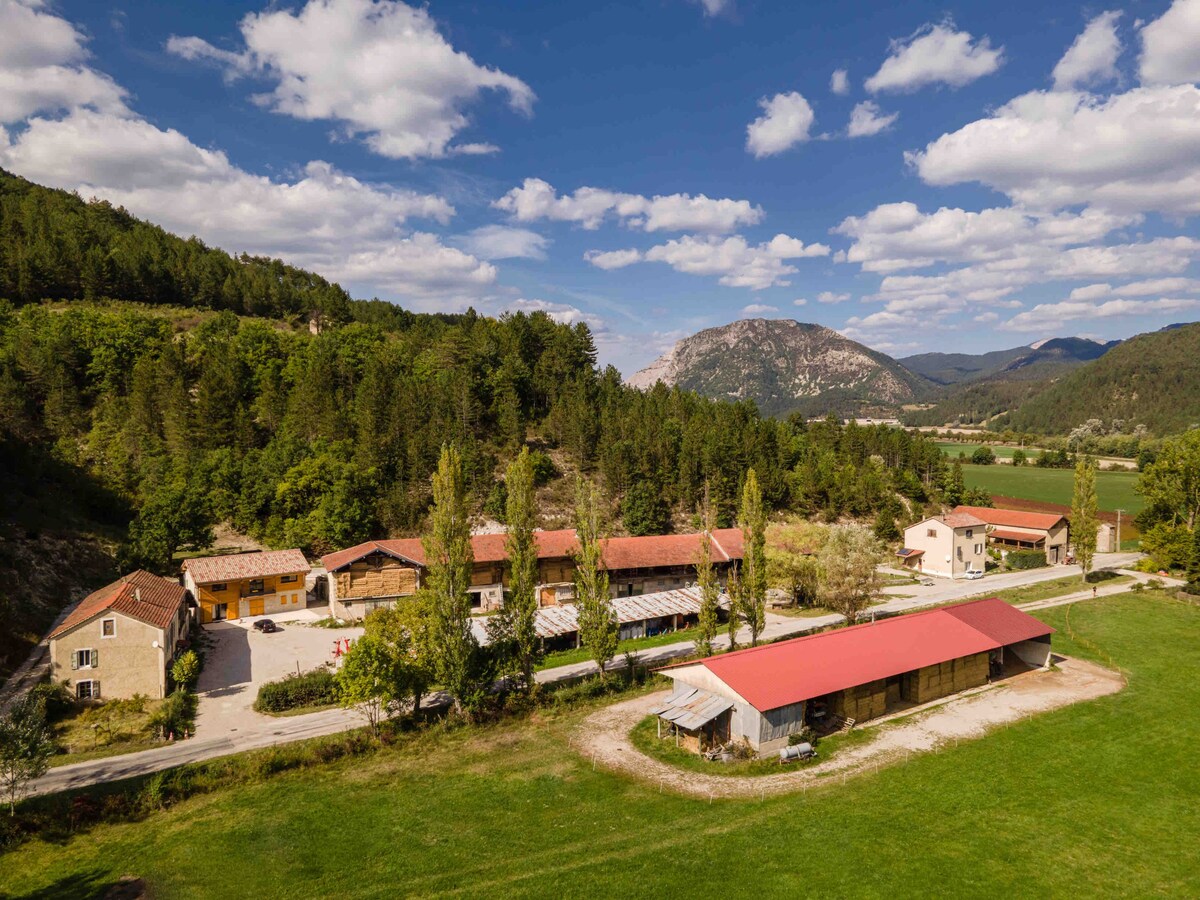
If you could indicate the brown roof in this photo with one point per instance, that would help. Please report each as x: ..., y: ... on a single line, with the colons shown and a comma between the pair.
x: 212, y: 569
x: 958, y: 519
x: 140, y: 595
x: 1009, y: 534
x: 1012, y: 518
x: 649, y: 552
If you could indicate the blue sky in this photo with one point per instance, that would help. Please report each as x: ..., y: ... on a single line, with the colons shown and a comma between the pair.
x: 979, y: 176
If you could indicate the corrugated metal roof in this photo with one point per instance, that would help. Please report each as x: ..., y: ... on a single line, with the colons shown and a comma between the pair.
x: 214, y: 569
x: 802, y: 668
x: 552, y: 621
x: 691, y: 708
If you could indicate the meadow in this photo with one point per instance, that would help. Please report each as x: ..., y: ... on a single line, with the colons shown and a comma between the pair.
x: 1114, y: 490
x: 953, y: 449
x: 1097, y: 799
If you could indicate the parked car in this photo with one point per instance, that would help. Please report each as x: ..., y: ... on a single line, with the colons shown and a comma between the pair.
x: 266, y: 626
x: 972, y: 574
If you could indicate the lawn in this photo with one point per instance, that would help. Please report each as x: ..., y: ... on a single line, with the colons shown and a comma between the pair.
x: 1044, y: 590
x: 1114, y: 490
x: 952, y: 449
x: 1098, y: 799
x: 581, y: 654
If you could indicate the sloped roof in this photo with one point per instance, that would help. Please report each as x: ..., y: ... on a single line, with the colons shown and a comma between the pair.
x: 140, y: 595
x: 958, y: 519
x: 1010, y: 534
x: 1012, y: 518
x: 691, y: 708
x: 649, y: 552
x: 780, y: 674
x: 210, y: 569
x: 552, y: 621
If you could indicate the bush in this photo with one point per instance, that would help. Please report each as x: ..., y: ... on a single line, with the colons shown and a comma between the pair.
x: 54, y: 698
x: 983, y: 456
x: 176, y: 715
x: 544, y: 470
x: 315, y: 688
x: 186, y: 670
x: 1192, y: 587
x: 1026, y: 559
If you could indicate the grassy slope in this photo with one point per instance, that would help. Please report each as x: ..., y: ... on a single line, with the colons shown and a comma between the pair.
x: 1113, y: 489
x: 1099, y: 799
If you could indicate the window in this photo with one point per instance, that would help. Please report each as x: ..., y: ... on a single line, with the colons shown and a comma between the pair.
x: 85, y: 659
x: 217, y: 588
x: 978, y: 549
x: 108, y: 628
x: 87, y: 690
x: 286, y: 579
x: 257, y: 586
x: 931, y: 532
x: 970, y: 532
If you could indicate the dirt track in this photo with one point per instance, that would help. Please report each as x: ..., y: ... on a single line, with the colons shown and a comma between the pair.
x: 605, y: 734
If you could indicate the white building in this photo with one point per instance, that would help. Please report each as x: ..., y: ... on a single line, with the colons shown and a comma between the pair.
x: 949, y: 546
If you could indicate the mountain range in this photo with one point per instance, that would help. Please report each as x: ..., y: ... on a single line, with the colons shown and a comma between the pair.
x: 793, y: 367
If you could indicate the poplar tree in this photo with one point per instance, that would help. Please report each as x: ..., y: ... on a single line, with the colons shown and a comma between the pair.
x: 1085, y: 518
x: 736, y: 590
x: 706, y: 581
x: 521, y: 604
x: 753, y: 522
x: 598, y: 628
x: 449, y: 559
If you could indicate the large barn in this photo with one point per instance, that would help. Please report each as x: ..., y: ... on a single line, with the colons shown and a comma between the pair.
x: 765, y: 694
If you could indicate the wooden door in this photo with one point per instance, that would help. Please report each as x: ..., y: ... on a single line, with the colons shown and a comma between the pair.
x: 257, y: 606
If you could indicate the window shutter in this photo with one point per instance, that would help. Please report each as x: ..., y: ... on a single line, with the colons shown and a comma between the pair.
x: 95, y: 659
x: 95, y: 690
x: 74, y: 659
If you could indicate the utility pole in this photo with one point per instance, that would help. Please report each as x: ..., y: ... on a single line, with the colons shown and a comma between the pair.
x: 1119, y: 511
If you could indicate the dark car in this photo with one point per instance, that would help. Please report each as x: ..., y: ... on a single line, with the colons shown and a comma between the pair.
x: 266, y: 626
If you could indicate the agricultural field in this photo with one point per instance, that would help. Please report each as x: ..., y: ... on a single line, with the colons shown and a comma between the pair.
x: 1113, y: 489
x: 952, y: 449
x: 1096, y: 799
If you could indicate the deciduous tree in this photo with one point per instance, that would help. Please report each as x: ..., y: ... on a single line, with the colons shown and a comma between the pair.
x: 519, y: 615
x: 26, y: 746
x: 849, y: 579
x: 753, y: 521
x: 708, y: 584
x: 598, y: 628
x: 1085, y: 517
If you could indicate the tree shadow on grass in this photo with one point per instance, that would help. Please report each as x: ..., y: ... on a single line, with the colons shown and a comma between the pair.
x: 92, y: 885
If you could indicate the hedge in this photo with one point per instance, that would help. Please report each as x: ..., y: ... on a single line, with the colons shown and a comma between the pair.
x: 1026, y: 559
x: 315, y: 688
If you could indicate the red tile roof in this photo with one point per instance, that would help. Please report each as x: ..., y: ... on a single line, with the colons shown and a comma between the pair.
x: 649, y: 552
x: 814, y: 665
x: 958, y: 519
x: 234, y: 566
x: 1009, y: 534
x: 1012, y: 518
x: 140, y: 595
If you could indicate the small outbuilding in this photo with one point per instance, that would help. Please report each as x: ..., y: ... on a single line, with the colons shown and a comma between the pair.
x: 763, y: 695
x: 1018, y: 529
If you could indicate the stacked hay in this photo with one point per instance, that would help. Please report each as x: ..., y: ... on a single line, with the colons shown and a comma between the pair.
x: 365, y: 580
x: 866, y: 701
x: 945, y: 678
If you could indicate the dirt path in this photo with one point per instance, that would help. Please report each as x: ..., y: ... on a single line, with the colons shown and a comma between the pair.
x: 605, y: 734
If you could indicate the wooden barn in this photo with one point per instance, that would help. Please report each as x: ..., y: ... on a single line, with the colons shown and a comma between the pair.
x: 765, y: 694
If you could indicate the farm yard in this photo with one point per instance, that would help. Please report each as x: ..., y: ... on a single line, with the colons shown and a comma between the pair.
x: 513, y: 809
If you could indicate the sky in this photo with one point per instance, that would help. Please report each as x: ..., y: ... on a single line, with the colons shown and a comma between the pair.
x: 918, y: 176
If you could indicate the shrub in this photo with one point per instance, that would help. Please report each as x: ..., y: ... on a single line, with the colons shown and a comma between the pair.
x: 544, y: 470
x: 1026, y: 559
x: 176, y: 715
x: 54, y: 698
x: 983, y: 456
x: 315, y: 688
x: 186, y: 670
x: 1192, y: 587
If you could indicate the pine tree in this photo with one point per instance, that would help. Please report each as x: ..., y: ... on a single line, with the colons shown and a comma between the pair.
x: 956, y: 487
x: 520, y: 607
x: 598, y: 628
x: 449, y: 559
x: 1085, y: 519
x: 706, y: 581
x: 753, y: 521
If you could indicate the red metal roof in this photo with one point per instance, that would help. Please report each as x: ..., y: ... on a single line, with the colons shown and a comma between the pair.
x: 814, y: 665
x: 1010, y: 534
x: 655, y: 551
x: 1012, y: 518
x: 214, y: 569
x: 140, y: 595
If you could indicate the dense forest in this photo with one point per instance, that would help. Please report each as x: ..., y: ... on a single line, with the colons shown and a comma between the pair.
x: 245, y: 391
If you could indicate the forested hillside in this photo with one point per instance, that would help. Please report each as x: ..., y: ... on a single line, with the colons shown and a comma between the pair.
x: 1152, y: 380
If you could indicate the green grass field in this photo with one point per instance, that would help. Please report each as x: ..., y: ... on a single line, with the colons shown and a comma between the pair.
x: 1099, y: 799
x: 953, y: 448
x: 1113, y: 489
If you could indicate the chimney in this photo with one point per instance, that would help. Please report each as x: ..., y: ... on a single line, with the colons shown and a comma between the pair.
x: 137, y: 594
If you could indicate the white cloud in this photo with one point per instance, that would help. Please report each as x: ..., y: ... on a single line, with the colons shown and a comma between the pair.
x: 1147, y: 288
x: 735, y: 262
x: 867, y: 119
x: 42, y: 66
x: 759, y: 309
x: 1092, y: 58
x: 589, y: 206
x: 1048, y: 315
x: 800, y: 301
x: 987, y: 318
x: 503, y: 242
x: 613, y: 259
x: 715, y: 7
x: 935, y: 54
x: 379, y: 68
x: 831, y: 297
x: 785, y: 122
x: 1132, y: 152
x: 1171, y: 46
x: 839, y: 82
x: 560, y: 312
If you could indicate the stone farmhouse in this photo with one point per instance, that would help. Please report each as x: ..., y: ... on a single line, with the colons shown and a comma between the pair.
x: 764, y: 695
x: 121, y: 640
x: 377, y: 573
x: 247, y: 584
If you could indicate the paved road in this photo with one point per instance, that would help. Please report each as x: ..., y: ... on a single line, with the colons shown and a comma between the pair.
x: 295, y: 728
